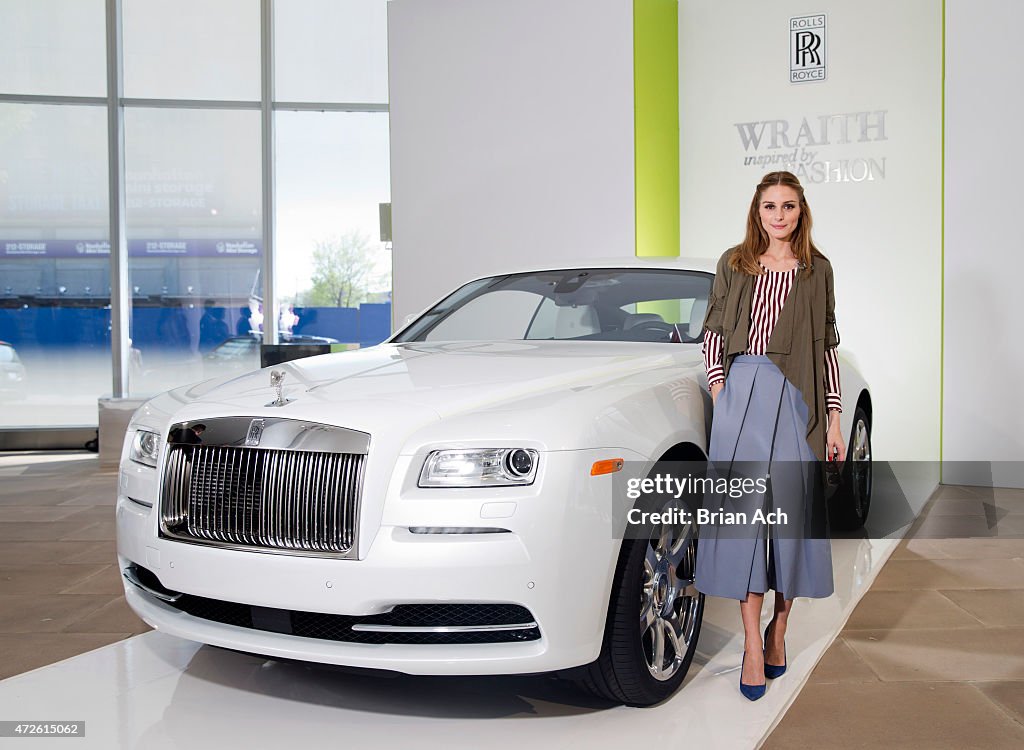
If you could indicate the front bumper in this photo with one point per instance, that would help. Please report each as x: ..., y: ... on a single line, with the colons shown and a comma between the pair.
x: 556, y: 559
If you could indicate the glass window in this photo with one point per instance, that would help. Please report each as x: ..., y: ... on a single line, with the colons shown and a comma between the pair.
x: 54, y: 263
x: 54, y: 47
x: 194, y: 229
x: 669, y: 310
x: 334, y: 272
x: 592, y: 304
x: 330, y: 51
x: 194, y: 202
x: 192, y: 49
x: 504, y: 314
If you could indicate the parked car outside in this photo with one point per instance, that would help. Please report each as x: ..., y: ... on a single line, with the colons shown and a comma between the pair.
x: 242, y: 353
x: 13, y: 383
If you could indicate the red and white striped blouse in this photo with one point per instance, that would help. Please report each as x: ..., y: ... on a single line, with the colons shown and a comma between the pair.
x: 770, y: 292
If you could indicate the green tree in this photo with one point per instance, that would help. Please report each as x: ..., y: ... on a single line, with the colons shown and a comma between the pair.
x: 343, y: 272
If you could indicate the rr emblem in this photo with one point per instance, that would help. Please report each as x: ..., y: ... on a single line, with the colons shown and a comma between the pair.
x: 255, y: 433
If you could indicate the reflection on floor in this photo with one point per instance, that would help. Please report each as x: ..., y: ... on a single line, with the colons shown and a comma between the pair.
x: 59, y: 595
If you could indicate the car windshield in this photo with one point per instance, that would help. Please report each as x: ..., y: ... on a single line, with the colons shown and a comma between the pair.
x: 7, y: 354
x: 597, y: 304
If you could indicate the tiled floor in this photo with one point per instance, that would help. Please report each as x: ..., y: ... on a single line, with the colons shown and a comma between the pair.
x: 933, y: 656
x: 60, y: 592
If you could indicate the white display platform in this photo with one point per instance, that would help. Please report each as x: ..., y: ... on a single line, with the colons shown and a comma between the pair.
x: 156, y: 691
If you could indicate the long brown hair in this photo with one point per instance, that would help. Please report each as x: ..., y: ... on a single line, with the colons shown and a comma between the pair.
x: 744, y: 255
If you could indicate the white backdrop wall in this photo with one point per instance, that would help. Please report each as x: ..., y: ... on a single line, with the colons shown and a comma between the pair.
x: 872, y: 174
x: 984, y: 362
x: 511, y: 138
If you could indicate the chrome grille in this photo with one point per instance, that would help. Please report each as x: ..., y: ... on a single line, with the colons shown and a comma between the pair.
x: 303, y: 502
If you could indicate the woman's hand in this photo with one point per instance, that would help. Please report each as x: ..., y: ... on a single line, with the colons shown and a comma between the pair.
x: 716, y: 389
x: 834, y: 438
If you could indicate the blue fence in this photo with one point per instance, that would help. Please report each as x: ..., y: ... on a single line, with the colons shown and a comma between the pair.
x: 179, y: 328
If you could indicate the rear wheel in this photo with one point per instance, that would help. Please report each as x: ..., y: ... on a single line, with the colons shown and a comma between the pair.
x: 849, y: 506
x: 654, y: 619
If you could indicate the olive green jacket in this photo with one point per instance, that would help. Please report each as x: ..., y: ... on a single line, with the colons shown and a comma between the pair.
x: 805, y: 328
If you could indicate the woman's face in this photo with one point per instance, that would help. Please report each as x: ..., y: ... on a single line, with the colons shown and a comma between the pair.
x: 780, y: 211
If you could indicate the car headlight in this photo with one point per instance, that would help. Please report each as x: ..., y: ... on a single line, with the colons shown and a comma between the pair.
x: 485, y: 467
x: 145, y: 447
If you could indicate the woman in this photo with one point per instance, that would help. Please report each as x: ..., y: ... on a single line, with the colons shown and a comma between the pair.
x: 769, y: 348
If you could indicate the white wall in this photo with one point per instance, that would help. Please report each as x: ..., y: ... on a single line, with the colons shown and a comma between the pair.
x: 511, y: 137
x: 883, y: 235
x: 983, y: 401
x: 512, y: 141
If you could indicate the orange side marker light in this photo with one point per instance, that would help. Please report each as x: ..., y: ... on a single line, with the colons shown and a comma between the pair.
x: 608, y: 466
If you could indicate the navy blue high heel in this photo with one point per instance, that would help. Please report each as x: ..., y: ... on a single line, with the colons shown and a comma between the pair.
x: 771, y: 671
x: 750, y: 692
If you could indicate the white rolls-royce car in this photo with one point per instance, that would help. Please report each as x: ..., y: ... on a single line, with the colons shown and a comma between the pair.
x: 443, y: 503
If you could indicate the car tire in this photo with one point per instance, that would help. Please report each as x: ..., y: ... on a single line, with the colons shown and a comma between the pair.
x: 649, y: 572
x: 851, y: 502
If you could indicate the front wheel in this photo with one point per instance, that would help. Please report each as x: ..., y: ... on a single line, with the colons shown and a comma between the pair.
x: 849, y: 506
x: 654, y: 619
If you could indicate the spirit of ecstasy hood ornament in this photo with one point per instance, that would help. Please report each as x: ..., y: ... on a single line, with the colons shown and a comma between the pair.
x: 277, y: 383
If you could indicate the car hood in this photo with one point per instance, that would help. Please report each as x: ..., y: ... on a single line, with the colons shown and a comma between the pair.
x: 417, y: 382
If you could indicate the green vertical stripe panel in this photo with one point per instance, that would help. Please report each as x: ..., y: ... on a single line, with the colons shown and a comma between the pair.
x: 656, y: 126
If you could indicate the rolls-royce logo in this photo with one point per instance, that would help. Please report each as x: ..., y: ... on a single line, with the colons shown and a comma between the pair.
x: 807, y: 53
x: 252, y: 438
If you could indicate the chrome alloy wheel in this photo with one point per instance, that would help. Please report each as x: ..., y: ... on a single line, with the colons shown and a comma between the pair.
x: 860, y: 453
x: 668, y: 600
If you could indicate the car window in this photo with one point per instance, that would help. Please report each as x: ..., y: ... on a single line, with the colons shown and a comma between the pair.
x: 7, y: 354
x: 501, y: 315
x: 598, y: 304
x: 669, y: 310
x: 567, y: 322
x: 687, y: 313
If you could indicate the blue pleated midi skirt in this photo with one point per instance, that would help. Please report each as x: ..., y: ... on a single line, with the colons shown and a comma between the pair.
x: 760, y: 420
